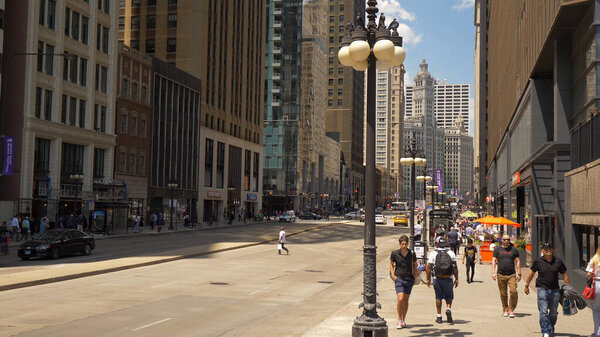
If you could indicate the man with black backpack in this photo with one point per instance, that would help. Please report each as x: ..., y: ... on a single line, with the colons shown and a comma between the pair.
x: 443, y: 263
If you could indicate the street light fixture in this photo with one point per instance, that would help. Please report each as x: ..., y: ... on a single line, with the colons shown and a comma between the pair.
x: 172, y: 185
x: 370, y: 47
x: 412, y: 159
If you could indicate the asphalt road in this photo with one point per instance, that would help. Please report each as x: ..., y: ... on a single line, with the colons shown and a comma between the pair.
x: 244, y: 292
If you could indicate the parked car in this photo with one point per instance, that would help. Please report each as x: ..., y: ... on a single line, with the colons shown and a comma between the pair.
x: 310, y: 216
x: 287, y: 217
x: 380, y: 219
x: 400, y: 219
x: 56, y: 243
x: 352, y: 215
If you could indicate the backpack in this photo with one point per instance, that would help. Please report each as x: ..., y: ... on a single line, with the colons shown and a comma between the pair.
x: 443, y: 264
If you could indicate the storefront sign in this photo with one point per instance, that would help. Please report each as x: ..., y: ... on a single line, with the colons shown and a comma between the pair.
x: 9, y: 148
x: 251, y: 197
x: 516, y: 178
x: 108, y: 182
x: 439, y: 180
x: 214, y: 194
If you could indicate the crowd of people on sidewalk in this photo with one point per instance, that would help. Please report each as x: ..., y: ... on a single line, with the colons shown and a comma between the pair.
x: 442, y: 272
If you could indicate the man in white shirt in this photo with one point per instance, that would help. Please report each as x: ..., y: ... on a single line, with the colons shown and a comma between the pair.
x: 443, y: 262
x: 14, y: 225
x: 418, y: 231
x: 281, y: 244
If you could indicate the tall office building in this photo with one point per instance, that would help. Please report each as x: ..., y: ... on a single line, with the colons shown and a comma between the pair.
x: 451, y: 104
x: 301, y: 164
x: 421, y: 126
x: 229, y: 63
x: 482, y: 21
x: 60, y: 108
x: 345, y: 102
x: 458, y: 160
x: 544, y: 137
x: 397, y: 128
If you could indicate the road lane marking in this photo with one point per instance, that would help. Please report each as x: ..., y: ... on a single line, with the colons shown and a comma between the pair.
x: 151, y: 324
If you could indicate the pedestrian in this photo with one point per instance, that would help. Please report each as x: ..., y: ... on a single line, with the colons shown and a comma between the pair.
x: 281, y: 244
x: 506, y: 257
x: 71, y: 221
x: 548, y: 267
x: 453, y: 240
x: 14, y: 226
x: 44, y: 224
x: 469, y: 231
x: 471, y: 257
x: 403, y: 270
x: 79, y: 222
x: 25, y: 229
x: 593, y: 273
x: 440, y: 233
x: 136, y: 224
x: 418, y: 231
x: 153, y: 221
x: 443, y: 263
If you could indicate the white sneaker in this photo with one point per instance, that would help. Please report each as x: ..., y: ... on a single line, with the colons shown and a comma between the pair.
x: 399, y: 325
x: 505, y: 314
x: 546, y: 335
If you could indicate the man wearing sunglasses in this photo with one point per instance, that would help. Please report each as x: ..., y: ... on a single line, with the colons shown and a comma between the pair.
x: 508, y: 275
x: 548, y: 268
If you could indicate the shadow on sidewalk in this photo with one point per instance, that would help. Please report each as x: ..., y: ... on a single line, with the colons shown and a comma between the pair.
x: 448, y: 332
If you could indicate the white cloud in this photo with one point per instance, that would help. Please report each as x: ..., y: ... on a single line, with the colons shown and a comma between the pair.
x: 392, y: 9
x: 408, y: 79
x: 463, y: 4
x: 409, y: 36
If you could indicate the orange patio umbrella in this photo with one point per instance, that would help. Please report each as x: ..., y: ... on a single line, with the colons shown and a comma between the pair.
x: 485, y: 219
x: 501, y: 221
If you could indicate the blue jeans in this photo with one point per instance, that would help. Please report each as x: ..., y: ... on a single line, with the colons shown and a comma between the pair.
x: 547, y: 301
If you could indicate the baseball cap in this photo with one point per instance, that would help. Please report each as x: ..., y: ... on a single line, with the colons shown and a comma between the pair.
x: 547, y: 245
x: 442, y: 242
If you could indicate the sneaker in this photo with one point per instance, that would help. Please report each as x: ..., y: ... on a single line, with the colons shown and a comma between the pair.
x: 438, y: 319
x: 505, y: 314
x: 511, y: 314
x: 546, y: 335
x: 449, y: 316
x: 403, y: 324
x: 399, y: 324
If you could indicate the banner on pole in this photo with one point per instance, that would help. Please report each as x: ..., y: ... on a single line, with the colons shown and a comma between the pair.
x: 439, y: 180
x: 8, y: 160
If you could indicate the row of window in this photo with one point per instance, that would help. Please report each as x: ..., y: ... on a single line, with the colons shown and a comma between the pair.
x: 73, y: 110
x: 102, y: 38
x: 150, y: 21
x: 75, y: 69
x: 332, y: 8
x: 151, y: 45
x: 330, y: 102
x: 135, y: 94
x: 332, y: 18
x: 130, y: 125
x: 76, y: 26
x: 136, y: 164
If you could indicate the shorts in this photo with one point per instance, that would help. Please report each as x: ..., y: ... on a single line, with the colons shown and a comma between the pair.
x: 444, y: 288
x: 403, y: 286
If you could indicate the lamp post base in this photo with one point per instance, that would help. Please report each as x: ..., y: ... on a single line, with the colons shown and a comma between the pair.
x: 365, y: 326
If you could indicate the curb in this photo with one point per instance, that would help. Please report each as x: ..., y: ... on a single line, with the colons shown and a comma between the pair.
x: 150, y: 263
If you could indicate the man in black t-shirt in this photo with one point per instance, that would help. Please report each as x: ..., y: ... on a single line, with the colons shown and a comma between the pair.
x: 548, y: 292
x: 508, y: 274
x: 403, y: 269
x: 470, y: 256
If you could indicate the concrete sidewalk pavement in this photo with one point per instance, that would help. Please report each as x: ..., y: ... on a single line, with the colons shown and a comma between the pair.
x: 23, y: 277
x: 477, y: 311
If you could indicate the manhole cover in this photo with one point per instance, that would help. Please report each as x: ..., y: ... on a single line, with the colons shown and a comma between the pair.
x: 219, y: 283
x: 313, y: 271
x: 326, y: 282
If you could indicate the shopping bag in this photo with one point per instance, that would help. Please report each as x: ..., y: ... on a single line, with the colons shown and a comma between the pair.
x: 589, y: 292
x: 279, y: 247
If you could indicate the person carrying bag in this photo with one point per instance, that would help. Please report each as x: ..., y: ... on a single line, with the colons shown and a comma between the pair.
x: 590, y: 291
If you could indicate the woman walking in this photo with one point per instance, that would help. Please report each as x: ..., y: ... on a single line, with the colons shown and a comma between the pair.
x: 403, y: 269
x: 592, y: 272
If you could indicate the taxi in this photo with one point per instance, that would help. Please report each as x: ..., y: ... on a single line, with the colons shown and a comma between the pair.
x: 400, y: 219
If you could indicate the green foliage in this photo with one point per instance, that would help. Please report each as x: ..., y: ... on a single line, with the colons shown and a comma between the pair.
x: 521, y: 244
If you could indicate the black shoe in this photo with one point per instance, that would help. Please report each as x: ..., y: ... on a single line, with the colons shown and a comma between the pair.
x: 438, y: 319
x: 449, y: 316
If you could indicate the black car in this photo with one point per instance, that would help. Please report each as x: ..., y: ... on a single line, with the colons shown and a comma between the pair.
x: 310, y: 216
x: 56, y: 243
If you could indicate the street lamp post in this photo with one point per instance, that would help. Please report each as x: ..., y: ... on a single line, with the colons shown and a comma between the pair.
x: 172, y: 185
x: 78, y: 196
x: 424, y: 179
x: 370, y: 48
x: 412, y: 158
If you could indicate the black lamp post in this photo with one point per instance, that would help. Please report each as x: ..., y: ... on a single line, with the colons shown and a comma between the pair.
x: 413, y: 159
x: 372, y: 47
x: 78, y: 195
x: 172, y: 185
x: 425, y: 178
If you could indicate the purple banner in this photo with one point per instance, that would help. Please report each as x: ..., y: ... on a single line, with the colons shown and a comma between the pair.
x: 9, y: 149
x: 439, y: 180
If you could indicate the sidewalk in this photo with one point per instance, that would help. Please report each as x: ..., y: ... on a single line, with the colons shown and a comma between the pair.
x: 214, y: 243
x: 476, y: 311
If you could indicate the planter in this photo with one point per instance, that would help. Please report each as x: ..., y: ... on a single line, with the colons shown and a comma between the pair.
x: 523, y: 257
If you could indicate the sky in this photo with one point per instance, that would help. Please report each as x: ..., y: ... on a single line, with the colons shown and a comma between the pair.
x: 440, y: 31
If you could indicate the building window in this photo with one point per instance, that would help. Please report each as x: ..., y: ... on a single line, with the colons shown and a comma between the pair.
x: 83, y: 72
x: 72, y: 159
x: 105, y: 40
x: 38, y: 102
x: 150, y: 45
x: 208, y: 163
x: 339, y: 102
x: 123, y: 123
x: 133, y: 126
x: 82, y: 113
x: 588, y: 240
x: 135, y: 44
x: 122, y: 162
x: 143, y: 128
x: 220, y: 164
x: 84, y: 30
x: 63, y: 109
x: 330, y: 102
x: 51, y: 19
x: 135, y: 22
x: 40, y: 56
x: 144, y: 94
x: 132, y: 166
x: 142, y: 165
x: 135, y: 3
x: 172, y: 21
x: 42, y: 156
x: 134, y: 91
x: 151, y: 21
x: 49, y: 59
x: 124, y: 87
x: 121, y: 23
x: 98, y: 163
x: 171, y: 45
x: 72, y: 111
x: 104, y: 80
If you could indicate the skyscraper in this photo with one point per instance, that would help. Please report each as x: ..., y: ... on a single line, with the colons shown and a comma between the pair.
x: 301, y: 163
x: 451, y: 103
x: 229, y: 63
x: 458, y: 159
x: 345, y: 102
